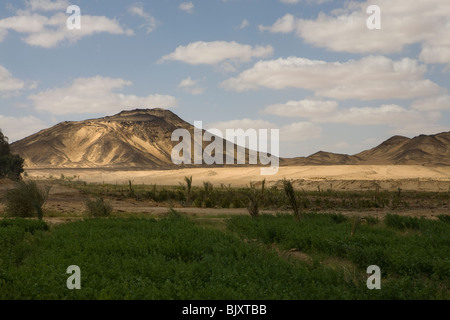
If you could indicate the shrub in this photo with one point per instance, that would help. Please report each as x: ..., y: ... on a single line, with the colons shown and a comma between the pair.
x: 26, y: 200
x: 98, y: 208
x: 289, y: 190
x: 255, y: 199
x: 188, y: 181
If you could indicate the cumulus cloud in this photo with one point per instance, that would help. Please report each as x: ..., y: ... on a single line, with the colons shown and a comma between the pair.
x: 138, y: 10
x: 186, y: 7
x: 215, y: 52
x: 372, y: 77
x: 244, y: 24
x: 48, y: 31
x: 392, y: 115
x: 441, y: 102
x: 285, y: 24
x: 191, y: 86
x: 302, y: 108
x: 422, y: 116
x: 96, y: 95
x: 16, y: 128
x: 8, y: 83
x: 308, y: 1
x: 298, y: 131
x: 47, y: 5
x: 423, y: 22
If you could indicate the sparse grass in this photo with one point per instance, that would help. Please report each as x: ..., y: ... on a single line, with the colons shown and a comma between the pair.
x: 274, y: 198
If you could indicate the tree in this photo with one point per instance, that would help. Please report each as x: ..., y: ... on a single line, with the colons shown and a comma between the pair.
x: 11, y: 165
x: 26, y: 200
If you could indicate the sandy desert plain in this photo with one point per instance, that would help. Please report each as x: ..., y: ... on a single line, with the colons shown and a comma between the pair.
x: 69, y: 201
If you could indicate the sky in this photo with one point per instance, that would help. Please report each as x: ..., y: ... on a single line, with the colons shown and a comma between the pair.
x: 330, y: 75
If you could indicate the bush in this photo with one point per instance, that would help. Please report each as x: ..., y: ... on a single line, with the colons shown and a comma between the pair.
x: 26, y: 200
x: 11, y: 165
x: 98, y: 208
x: 290, y: 193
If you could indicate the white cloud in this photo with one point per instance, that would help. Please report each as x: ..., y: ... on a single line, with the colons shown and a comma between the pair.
x: 191, y: 86
x: 138, y: 10
x: 215, y: 52
x: 16, y: 128
x: 48, y: 32
x: 96, y: 95
x: 308, y: 1
x: 285, y: 24
x: 400, y: 119
x: 302, y: 109
x: 372, y: 77
x: 432, y: 104
x: 47, y: 5
x: 403, y: 23
x: 187, y: 7
x: 298, y: 131
x: 392, y: 115
x: 244, y: 24
x: 8, y: 84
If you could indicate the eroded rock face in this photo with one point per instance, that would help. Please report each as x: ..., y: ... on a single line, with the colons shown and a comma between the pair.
x: 141, y: 139
x: 137, y: 138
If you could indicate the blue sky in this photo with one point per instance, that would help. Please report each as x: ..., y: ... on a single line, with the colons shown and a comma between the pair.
x: 312, y: 69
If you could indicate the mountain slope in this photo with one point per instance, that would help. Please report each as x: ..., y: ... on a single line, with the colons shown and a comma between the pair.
x: 141, y: 139
x: 138, y: 138
x: 398, y: 150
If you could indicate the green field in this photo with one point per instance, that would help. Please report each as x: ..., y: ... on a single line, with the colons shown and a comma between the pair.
x: 176, y: 257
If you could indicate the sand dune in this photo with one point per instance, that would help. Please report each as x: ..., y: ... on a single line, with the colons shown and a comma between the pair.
x: 345, y: 177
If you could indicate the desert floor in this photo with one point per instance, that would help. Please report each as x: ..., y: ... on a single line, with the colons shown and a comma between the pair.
x: 68, y: 204
x: 361, y: 177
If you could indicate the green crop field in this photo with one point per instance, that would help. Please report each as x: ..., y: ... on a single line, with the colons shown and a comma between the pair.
x: 176, y: 257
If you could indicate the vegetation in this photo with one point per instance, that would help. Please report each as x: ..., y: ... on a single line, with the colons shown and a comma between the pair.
x: 98, y: 208
x: 289, y: 190
x: 406, y: 249
x: 11, y: 165
x: 173, y: 258
x: 188, y: 181
x: 26, y: 199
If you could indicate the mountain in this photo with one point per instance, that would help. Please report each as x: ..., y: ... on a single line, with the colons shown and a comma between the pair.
x: 423, y: 149
x: 141, y: 139
x: 137, y: 138
x: 397, y: 150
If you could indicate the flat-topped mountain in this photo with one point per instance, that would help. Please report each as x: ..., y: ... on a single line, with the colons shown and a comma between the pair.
x: 137, y: 138
x: 141, y: 139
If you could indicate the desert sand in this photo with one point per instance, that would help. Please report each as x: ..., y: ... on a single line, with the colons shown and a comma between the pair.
x: 339, y: 177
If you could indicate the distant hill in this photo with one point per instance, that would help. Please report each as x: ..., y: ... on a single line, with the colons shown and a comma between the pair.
x: 141, y: 139
x: 398, y: 150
